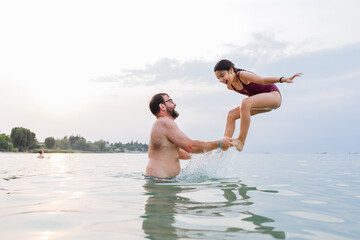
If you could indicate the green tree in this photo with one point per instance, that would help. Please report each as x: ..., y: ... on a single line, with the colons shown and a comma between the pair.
x: 11, y: 148
x: 63, y: 144
x: 23, y: 139
x: 50, y: 142
x: 81, y: 144
x: 101, y: 144
x: 94, y: 148
x: 4, y: 142
x: 73, y: 139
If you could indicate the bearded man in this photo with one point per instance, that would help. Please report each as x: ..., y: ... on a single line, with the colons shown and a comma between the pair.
x: 168, y: 143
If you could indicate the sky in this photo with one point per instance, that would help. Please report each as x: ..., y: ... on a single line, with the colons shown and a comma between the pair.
x: 90, y: 67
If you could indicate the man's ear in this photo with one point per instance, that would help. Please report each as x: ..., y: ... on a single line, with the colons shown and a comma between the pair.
x: 162, y: 106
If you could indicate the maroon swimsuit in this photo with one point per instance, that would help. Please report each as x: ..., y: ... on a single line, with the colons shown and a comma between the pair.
x: 254, y: 88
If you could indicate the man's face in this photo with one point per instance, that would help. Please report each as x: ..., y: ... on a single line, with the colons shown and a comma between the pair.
x: 170, y: 107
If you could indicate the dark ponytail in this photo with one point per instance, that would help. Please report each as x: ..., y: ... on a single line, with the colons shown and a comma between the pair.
x: 225, y: 65
x: 236, y: 69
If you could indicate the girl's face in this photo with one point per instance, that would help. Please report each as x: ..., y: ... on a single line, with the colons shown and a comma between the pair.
x: 225, y: 77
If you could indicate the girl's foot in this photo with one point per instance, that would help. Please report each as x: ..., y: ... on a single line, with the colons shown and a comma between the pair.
x: 239, y: 145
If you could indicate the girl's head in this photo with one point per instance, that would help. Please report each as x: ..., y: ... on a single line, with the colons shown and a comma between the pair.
x: 224, y: 65
x: 225, y: 71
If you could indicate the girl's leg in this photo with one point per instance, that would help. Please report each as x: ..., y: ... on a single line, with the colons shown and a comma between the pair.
x: 232, y: 116
x: 264, y: 100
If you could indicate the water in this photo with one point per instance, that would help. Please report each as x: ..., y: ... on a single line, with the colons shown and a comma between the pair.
x: 227, y: 195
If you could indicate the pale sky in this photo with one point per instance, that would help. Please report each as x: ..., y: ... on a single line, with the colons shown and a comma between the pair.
x: 90, y: 67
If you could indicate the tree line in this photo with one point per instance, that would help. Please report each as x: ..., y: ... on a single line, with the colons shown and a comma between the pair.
x: 23, y: 140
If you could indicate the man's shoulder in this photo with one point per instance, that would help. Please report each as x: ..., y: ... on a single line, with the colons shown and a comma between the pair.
x: 164, y: 121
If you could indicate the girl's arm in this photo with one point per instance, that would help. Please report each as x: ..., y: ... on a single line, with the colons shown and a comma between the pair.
x: 248, y: 77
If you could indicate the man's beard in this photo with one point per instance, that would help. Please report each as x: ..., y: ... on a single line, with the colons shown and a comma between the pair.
x: 173, y: 113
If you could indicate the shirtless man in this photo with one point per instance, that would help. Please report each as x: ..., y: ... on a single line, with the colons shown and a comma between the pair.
x: 168, y: 143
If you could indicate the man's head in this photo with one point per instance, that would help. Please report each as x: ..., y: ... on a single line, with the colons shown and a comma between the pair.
x: 162, y: 103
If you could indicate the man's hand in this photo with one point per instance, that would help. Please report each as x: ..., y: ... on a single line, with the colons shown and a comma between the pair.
x: 225, y: 144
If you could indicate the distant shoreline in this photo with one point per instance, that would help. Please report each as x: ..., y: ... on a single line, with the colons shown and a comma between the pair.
x: 75, y: 152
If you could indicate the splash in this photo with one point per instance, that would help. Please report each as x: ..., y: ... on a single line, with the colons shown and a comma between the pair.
x: 215, y: 164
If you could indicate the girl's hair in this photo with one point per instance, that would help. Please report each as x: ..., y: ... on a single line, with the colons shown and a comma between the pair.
x: 155, y: 101
x: 225, y: 65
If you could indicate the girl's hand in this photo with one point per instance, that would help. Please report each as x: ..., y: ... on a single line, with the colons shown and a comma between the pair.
x: 290, y: 79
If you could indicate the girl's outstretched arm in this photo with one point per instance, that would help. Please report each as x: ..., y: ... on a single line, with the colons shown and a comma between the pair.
x: 290, y: 79
x: 248, y: 77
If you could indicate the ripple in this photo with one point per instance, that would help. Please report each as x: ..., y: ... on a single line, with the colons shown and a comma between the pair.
x: 313, y: 202
x: 342, y: 185
x: 132, y: 175
x: 12, y: 177
x: 208, y: 195
x: 199, y: 222
x: 316, y: 235
x: 315, y: 217
x: 288, y: 193
x: 41, y: 211
x: 279, y: 185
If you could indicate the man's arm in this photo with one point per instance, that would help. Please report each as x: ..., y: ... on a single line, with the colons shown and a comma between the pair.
x: 175, y: 135
x: 184, y: 155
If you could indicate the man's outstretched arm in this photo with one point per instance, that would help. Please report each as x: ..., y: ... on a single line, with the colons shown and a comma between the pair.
x: 175, y: 135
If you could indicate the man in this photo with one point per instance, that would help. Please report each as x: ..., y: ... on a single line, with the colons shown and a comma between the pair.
x: 168, y: 143
x: 41, y: 152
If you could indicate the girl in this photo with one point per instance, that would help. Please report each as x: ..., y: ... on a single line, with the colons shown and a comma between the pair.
x: 263, y: 96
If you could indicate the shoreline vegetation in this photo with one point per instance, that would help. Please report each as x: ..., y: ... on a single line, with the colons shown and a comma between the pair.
x: 23, y: 140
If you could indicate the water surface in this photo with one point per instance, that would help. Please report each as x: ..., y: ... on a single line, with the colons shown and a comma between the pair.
x: 226, y: 195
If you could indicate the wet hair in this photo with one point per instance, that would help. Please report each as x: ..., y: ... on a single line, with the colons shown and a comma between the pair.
x: 225, y: 65
x: 41, y: 151
x: 155, y: 101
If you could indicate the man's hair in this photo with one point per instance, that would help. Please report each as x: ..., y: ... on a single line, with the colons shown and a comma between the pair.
x: 155, y: 101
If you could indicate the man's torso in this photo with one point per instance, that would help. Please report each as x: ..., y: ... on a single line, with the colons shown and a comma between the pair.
x: 163, y: 154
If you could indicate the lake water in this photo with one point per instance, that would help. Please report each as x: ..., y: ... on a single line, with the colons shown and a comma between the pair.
x: 219, y: 195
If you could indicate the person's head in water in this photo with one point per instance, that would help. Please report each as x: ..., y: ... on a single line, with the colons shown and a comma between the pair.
x: 41, y: 152
x: 163, y: 99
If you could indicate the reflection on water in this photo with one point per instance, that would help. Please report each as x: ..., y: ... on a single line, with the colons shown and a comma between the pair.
x: 104, y: 196
x: 216, y: 209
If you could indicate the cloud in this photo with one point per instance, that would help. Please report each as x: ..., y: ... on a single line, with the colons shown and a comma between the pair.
x: 161, y: 72
x: 263, y: 48
x: 318, y: 113
x: 325, y: 69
